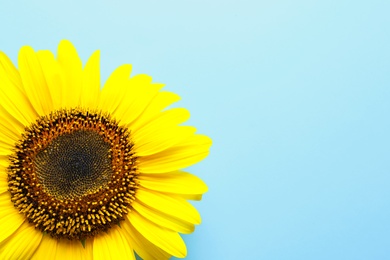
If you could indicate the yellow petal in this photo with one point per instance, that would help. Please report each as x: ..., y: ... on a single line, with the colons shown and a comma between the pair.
x: 172, y: 117
x: 71, y: 64
x: 9, y: 72
x: 175, y: 182
x: 54, y: 77
x: 34, y: 81
x: 22, y: 244
x: 3, y: 179
x: 139, y: 93
x: 11, y: 127
x: 90, y: 91
x: 190, y: 196
x: 162, y: 100
x: 166, y: 239
x: 4, y: 163
x: 15, y: 105
x: 5, y: 151
x: 115, y: 88
x: 161, y: 133
x: 47, y: 248
x: 6, y: 142
x: 144, y: 248
x: 112, y: 245
x: 177, y: 157
x: 163, y: 220
x: 169, y: 204
x: 3, y: 183
x: 73, y: 249
x: 10, y: 218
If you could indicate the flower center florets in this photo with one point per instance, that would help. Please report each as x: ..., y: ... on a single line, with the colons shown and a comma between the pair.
x: 73, y: 173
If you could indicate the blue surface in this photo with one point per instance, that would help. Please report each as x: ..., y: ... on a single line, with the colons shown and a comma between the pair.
x: 295, y: 95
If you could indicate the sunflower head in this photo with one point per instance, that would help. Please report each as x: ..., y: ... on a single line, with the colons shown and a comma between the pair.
x: 91, y: 164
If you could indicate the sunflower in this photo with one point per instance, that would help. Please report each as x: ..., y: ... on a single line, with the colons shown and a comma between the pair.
x: 91, y: 172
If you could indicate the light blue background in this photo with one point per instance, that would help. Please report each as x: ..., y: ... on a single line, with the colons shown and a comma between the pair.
x: 295, y: 95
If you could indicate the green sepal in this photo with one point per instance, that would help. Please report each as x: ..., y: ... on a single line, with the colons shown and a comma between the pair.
x: 83, y: 240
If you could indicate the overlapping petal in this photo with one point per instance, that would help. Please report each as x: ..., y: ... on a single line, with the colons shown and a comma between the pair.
x: 178, y: 182
x: 115, y: 88
x: 55, y: 78
x: 73, y: 249
x: 112, y: 246
x: 15, y: 107
x: 162, y: 219
x: 21, y: 244
x: 10, y: 218
x: 138, y: 93
x: 71, y: 67
x: 144, y: 248
x: 34, y: 81
x: 185, y: 154
x: 169, y: 204
x: 90, y: 89
x: 161, y: 101
x: 167, y: 240
x: 162, y: 133
x: 47, y: 249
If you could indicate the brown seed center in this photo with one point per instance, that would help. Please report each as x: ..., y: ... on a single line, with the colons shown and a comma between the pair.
x: 74, y: 164
x: 73, y: 173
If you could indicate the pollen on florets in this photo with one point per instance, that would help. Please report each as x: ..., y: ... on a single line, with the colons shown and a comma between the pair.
x: 73, y: 173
